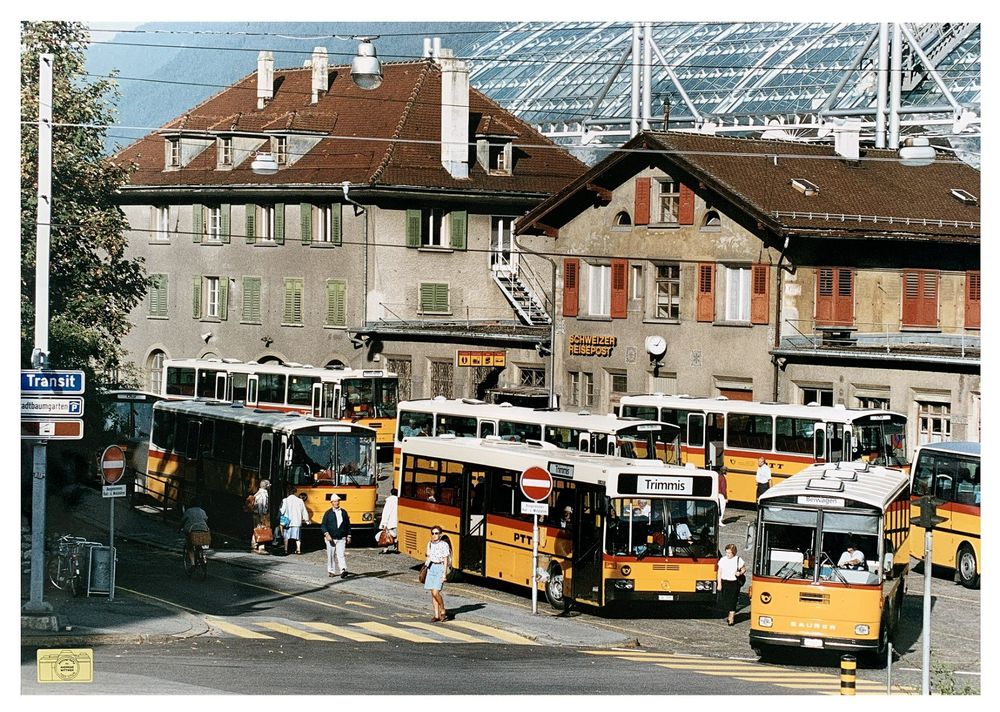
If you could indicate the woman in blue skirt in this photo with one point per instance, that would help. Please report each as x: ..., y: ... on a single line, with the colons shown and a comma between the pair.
x: 438, y: 554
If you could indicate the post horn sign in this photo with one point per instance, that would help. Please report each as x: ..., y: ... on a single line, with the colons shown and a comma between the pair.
x: 536, y: 483
x: 113, y: 464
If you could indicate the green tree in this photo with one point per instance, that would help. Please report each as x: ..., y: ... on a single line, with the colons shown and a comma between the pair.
x: 93, y: 284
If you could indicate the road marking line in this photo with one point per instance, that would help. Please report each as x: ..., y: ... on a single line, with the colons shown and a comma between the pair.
x: 296, y: 595
x: 388, y: 630
x: 349, y: 634
x: 295, y: 632
x: 163, y: 600
x: 358, y: 603
x: 494, y: 632
x: 441, y: 630
x: 236, y: 630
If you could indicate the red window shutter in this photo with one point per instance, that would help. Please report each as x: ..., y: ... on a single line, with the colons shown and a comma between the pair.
x: 759, y: 291
x: 843, y: 310
x: 685, y: 210
x: 642, y: 187
x: 920, y: 298
x: 705, y: 307
x: 619, y: 289
x: 972, y: 296
x: 824, y: 297
x: 929, y: 299
x: 571, y: 287
x: 911, y: 299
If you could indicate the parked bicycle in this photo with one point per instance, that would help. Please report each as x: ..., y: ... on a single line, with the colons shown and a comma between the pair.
x: 196, y: 554
x: 66, y: 566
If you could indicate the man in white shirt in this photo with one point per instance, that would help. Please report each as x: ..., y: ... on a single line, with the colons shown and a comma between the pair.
x: 390, y: 521
x: 853, y: 558
x: 294, y: 508
x: 763, y: 477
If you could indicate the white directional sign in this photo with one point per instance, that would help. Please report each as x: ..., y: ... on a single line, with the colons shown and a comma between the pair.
x: 43, y: 407
x: 540, y: 508
x: 61, y: 429
x: 113, y: 491
x: 54, y: 383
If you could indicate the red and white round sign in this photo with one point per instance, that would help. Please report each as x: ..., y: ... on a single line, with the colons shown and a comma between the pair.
x: 113, y: 464
x: 536, y: 483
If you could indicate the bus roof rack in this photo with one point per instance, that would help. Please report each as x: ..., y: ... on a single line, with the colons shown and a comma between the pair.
x: 825, y: 485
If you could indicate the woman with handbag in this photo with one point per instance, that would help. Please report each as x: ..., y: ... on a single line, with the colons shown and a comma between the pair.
x: 732, y: 576
x: 262, y: 533
x: 436, y: 566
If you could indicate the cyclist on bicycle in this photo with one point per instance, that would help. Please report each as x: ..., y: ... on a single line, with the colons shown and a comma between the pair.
x: 195, y: 519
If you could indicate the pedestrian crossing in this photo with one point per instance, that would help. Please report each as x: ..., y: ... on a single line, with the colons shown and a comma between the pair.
x: 802, y: 681
x: 412, y: 631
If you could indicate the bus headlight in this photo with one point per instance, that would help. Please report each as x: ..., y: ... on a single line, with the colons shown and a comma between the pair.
x: 764, y: 621
x: 366, y: 517
x: 704, y: 585
x: 624, y: 584
x: 861, y: 629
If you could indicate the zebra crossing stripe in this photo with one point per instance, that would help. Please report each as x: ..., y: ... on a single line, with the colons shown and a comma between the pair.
x: 441, y: 630
x: 236, y: 630
x: 294, y: 632
x: 345, y: 632
x: 493, y: 632
x: 395, y: 632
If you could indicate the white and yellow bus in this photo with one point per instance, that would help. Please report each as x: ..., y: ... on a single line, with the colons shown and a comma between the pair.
x: 220, y: 452
x: 618, y: 530
x: 831, y: 556
x: 718, y: 432
x: 950, y: 472
x: 364, y: 396
x: 582, y: 432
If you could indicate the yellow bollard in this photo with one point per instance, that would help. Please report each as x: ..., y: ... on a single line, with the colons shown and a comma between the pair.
x: 848, y: 674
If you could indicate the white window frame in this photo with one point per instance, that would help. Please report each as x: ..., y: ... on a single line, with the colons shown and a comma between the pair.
x: 927, y: 412
x: 213, y: 223
x: 574, y: 388
x: 636, y: 286
x: 599, y: 290
x: 225, y: 150
x: 161, y: 223
x: 174, y: 153
x: 669, y: 193
x: 156, y: 361
x: 265, y: 222
x: 324, y: 220
x: 588, y: 394
x: 670, y: 301
x: 280, y: 149
x: 612, y: 375
x: 434, y: 228
x: 211, y: 285
x: 737, y: 282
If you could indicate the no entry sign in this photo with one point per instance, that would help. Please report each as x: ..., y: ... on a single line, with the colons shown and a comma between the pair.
x: 536, y: 483
x: 113, y: 464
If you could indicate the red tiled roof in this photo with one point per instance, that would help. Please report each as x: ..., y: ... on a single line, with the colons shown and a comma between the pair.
x: 389, y: 136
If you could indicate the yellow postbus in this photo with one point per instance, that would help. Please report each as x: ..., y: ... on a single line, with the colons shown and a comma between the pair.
x: 950, y: 472
x: 734, y: 433
x: 830, y: 559
x: 582, y: 432
x: 618, y: 530
x: 220, y: 451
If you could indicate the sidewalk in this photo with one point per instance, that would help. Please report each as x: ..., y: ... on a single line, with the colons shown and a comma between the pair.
x: 390, y: 579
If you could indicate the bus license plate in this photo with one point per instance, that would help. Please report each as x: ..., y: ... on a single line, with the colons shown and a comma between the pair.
x: 665, y: 597
x: 812, y: 643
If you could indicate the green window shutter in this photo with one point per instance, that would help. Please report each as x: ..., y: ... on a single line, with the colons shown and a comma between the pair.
x: 336, y: 302
x: 225, y: 223
x: 163, y: 292
x: 197, y: 221
x: 293, y: 301
x: 433, y: 297
x: 441, y: 298
x: 336, y: 236
x: 223, y: 298
x: 459, y: 228
x: 251, y: 299
x: 196, y: 298
x: 412, y: 228
x: 279, y: 223
x: 426, y: 296
x: 305, y: 213
x: 251, y: 211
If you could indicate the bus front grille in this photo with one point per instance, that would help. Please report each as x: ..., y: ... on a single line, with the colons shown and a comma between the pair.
x: 410, y: 540
x: 666, y: 567
x: 814, y: 598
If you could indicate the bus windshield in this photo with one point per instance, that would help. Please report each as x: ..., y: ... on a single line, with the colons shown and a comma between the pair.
x: 883, y: 442
x: 648, y: 442
x: 341, y: 458
x: 371, y: 397
x: 129, y: 419
x: 662, y: 527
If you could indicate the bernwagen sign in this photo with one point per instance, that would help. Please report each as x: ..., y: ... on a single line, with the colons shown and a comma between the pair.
x: 587, y: 345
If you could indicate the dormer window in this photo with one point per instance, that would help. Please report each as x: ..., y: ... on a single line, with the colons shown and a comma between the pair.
x: 499, y: 161
x: 964, y: 196
x: 804, y: 186
x: 173, y: 153
x: 226, y: 151
x: 279, y: 145
x: 495, y: 154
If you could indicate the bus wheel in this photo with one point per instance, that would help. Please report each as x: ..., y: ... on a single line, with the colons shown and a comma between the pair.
x: 555, y: 594
x: 877, y: 656
x: 966, y: 567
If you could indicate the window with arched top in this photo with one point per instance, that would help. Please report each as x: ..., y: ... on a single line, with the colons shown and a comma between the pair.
x: 623, y: 219
x: 711, y: 220
x: 269, y: 359
x: 154, y: 367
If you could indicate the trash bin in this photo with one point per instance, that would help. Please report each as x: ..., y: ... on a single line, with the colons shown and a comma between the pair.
x: 100, y: 572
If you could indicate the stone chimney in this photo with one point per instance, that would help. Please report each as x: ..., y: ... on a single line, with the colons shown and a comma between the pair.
x: 320, y: 72
x: 265, y: 78
x: 454, y: 114
x: 847, y: 137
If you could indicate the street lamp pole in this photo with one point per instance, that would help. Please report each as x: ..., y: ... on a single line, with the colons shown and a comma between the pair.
x: 40, y: 354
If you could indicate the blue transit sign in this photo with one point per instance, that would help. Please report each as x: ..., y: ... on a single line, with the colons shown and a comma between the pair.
x: 54, y: 383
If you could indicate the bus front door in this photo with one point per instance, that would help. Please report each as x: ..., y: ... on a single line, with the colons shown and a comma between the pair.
x: 695, y: 440
x: 587, y: 546
x: 472, y: 537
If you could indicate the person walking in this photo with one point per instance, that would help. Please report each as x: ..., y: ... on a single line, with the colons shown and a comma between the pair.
x: 261, y: 508
x: 731, y: 569
x: 390, y: 520
x: 438, y: 556
x: 336, y: 529
x: 294, y: 510
x: 723, y: 492
x: 763, y: 477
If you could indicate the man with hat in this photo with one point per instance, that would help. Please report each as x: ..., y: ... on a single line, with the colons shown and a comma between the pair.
x: 336, y: 529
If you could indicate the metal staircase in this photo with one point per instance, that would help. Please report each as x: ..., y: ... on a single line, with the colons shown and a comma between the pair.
x: 528, y: 307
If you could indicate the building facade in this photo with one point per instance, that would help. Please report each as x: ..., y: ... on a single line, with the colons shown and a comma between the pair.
x: 769, y: 270
x: 383, y: 238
